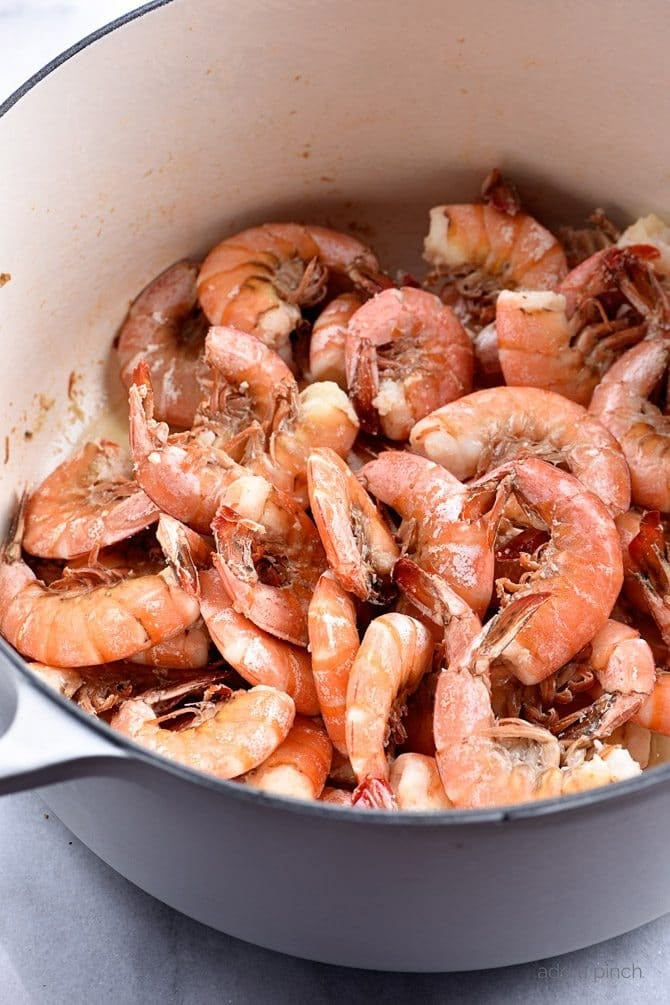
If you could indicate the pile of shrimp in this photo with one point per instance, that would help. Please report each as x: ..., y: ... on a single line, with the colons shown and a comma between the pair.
x: 390, y: 545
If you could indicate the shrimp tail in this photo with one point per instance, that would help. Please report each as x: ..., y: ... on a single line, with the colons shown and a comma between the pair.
x: 486, y: 502
x: 647, y: 550
x: 145, y: 433
x: 11, y: 549
x: 374, y: 794
x: 363, y: 382
x: 173, y: 538
x: 500, y: 193
x: 601, y: 718
x: 509, y: 622
x: 436, y: 600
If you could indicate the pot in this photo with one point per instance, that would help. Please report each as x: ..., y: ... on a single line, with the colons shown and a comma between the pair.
x: 150, y: 140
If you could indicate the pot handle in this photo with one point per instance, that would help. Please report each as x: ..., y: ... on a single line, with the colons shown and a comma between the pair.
x: 42, y: 743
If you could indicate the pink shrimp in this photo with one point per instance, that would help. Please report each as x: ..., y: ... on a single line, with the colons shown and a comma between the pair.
x: 269, y: 557
x: 359, y: 545
x: 655, y: 712
x: 184, y: 474
x: 646, y: 562
x: 299, y: 767
x: 86, y: 625
x: 165, y: 329
x: 577, y: 576
x: 258, y: 657
x: 257, y: 385
x: 473, y: 434
x: 621, y: 403
x: 333, y: 642
x: 481, y: 248
x: 416, y: 783
x: 624, y: 667
x: 406, y: 354
x: 566, y: 341
x: 257, y: 280
x: 90, y: 501
x: 253, y: 379
x: 395, y: 653
x: 243, y: 732
x: 327, y: 342
x: 483, y: 761
x: 449, y: 528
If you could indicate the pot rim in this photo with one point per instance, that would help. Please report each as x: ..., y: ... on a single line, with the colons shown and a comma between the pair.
x: 649, y: 779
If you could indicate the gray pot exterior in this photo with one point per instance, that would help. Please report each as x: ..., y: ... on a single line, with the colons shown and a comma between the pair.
x: 404, y: 897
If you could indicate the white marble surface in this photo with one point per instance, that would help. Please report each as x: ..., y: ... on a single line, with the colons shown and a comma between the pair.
x: 72, y: 931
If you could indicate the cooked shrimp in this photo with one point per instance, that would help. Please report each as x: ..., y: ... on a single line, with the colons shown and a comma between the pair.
x: 395, y: 653
x: 84, y: 625
x: 324, y: 417
x: 655, y: 713
x: 329, y: 332
x: 252, y: 378
x: 359, y: 546
x: 566, y: 341
x: 416, y: 783
x: 165, y: 329
x: 434, y: 599
x: 578, y: 574
x: 95, y: 689
x: 646, y: 562
x: 258, y: 386
x: 184, y: 474
x: 448, y: 528
x: 473, y: 434
x: 269, y: 557
x: 242, y: 733
x: 650, y: 230
x: 406, y: 354
x: 483, y: 248
x: 258, y: 657
x: 487, y: 762
x: 621, y: 403
x: 333, y: 643
x: 335, y: 796
x: 258, y: 280
x: 188, y: 650
x: 90, y: 501
x: 299, y: 767
x: 624, y: 667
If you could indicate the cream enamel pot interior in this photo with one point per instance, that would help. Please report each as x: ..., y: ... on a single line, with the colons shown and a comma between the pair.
x: 150, y: 140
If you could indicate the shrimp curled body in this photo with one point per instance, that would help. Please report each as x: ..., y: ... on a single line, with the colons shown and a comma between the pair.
x: 473, y: 434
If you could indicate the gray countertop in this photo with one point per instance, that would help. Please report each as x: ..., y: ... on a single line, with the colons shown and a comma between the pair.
x: 73, y: 931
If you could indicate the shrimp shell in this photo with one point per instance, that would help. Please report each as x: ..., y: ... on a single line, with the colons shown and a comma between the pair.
x: 243, y: 732
x: 395, y: 653
x: 153, y: 332
x: 89, y: 501
x: 299, y: 767
x: 258, y: 657
x: 406, y: 354
x: 333, y: 643
x: 473, y: 434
